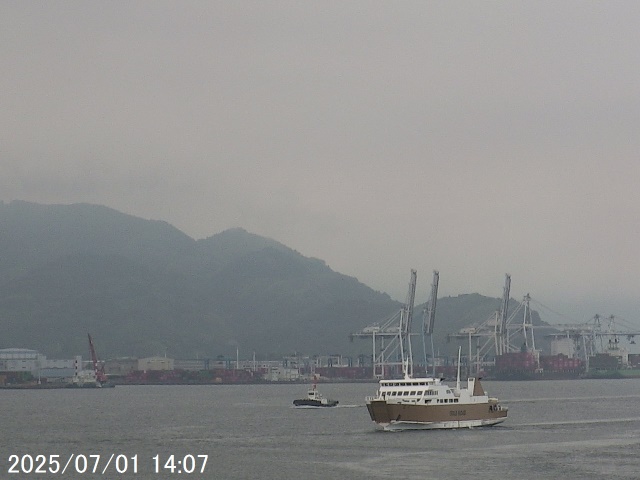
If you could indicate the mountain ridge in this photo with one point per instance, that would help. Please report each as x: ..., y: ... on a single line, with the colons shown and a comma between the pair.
x: 143, y: 287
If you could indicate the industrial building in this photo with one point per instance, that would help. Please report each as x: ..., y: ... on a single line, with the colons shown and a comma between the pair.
x: 24, y: 361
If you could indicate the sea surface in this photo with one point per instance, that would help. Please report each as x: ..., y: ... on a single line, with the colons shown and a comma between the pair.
x: 576, y: 429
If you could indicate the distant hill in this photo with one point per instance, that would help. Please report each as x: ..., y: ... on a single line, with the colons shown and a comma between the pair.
x: 142, y: 287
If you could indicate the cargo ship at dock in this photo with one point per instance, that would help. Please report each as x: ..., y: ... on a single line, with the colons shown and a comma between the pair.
x: 530, y: 366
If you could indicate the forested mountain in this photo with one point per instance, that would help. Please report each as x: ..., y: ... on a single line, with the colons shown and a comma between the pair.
x: 143, y: 287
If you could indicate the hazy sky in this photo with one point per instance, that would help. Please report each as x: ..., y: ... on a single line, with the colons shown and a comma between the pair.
x: 476, y: 138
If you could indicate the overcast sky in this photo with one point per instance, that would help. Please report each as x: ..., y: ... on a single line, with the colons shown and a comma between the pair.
x: 476, y: 138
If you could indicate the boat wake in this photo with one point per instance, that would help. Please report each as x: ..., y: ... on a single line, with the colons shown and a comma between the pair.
x: 579, y: 422
x: 311, y: 407
x: 570, y: 399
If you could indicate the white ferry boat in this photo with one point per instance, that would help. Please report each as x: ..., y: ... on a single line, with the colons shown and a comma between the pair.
x: 427, y: 403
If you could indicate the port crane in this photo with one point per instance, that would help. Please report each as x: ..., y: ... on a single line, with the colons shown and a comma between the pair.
x: 428, y: 322
x: 98, y: 369
x: 593, y: 337
x: 496, y: 334
x: 387, y: 337
x: 390, y: 338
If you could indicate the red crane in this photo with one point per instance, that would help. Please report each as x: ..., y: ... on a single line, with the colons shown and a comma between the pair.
x: 101, y: 377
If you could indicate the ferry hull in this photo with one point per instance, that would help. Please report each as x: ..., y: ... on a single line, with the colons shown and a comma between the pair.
x: 395, y: 416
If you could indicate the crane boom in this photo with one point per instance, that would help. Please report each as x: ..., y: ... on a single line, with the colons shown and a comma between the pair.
x: 428, y: 322
x: 430, y: 311
x: 504, y: 315
x: 101, y: 377
x: 406, y: 316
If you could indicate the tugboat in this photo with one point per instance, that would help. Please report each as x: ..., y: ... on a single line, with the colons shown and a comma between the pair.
x: 314, y: 399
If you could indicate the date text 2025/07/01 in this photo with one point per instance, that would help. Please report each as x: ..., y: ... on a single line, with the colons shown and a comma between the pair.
x: 101, y: 464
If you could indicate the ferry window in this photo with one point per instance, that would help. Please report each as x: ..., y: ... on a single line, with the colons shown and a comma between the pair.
x: 412, y: 393
x: 406, y: 394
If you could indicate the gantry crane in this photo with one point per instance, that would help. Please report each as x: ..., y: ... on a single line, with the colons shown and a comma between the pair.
x: 495, y: 335
x: 592, y: 337
x: 389, y: 338
x: 428, y: 322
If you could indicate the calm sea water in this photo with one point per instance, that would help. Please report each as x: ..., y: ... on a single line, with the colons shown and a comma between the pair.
x: 580, y: 429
